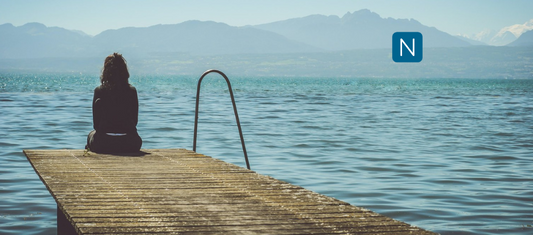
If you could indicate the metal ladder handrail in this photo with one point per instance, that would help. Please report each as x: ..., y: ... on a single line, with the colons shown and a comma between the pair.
x: 234, y: 110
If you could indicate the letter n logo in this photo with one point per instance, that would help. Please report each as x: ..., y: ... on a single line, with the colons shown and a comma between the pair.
x: 407, y: 47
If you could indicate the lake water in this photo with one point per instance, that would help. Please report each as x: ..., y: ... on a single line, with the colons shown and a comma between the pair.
x: 454, y: 156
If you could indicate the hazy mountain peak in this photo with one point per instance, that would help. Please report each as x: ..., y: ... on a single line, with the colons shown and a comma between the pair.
x: 517, y: 29
x: 7, y: 25
x: 34, y: 25
x: 363, y: 15
x: 503, y: 36
x: 199, y: 22
x: 481, y: 36
x: 364, y: 12
x: 469, y: 40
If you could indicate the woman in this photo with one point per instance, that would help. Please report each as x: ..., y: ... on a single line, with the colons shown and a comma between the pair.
x: 115, y: 110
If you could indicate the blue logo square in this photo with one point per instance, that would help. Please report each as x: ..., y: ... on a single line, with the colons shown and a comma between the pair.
x: 407, y: 47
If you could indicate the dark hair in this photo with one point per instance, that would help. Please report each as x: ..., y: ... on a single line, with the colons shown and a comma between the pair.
x: 115, y: 72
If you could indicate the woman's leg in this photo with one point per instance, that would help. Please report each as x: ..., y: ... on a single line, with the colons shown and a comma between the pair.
x: 102, y: 143
x: 127, y: 144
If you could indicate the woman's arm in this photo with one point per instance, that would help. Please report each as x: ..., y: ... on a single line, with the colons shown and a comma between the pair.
x: 135, y: 107
x: 96, y: 109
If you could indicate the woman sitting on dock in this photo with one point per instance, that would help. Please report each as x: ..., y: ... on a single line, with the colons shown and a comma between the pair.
x: 115, y: 110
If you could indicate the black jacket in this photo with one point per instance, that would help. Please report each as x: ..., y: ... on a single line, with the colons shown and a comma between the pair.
x: 115, y: 110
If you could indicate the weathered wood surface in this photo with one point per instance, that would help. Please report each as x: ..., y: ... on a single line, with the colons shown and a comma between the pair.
x: 180, y: 191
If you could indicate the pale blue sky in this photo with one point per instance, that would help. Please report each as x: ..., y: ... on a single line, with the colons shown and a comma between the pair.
x: 93, y: 17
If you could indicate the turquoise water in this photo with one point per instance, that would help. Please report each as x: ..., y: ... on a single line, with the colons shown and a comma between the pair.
x: 450, y: 155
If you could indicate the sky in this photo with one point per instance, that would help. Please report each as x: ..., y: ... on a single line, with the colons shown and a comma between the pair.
x: 92, y: 17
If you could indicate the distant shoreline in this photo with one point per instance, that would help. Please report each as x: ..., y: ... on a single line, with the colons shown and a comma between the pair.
x: 465, y: 62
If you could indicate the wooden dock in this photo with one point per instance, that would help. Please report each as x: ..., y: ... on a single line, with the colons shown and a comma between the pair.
x: 179, y: 191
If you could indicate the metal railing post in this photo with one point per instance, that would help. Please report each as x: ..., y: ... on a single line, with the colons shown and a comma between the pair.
x: 234, y: 110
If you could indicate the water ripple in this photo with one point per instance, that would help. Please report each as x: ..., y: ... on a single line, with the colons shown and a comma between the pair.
x: 446, y: 155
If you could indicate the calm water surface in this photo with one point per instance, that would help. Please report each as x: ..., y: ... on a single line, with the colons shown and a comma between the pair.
x: 454, y: 156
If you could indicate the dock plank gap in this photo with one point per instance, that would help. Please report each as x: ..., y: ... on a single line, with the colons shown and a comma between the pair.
x: 178, y: 191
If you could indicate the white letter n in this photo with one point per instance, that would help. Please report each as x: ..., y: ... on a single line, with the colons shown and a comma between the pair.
x: 402, y: 42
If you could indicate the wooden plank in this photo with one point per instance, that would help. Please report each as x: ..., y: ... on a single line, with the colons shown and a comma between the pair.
x: 180, y: 191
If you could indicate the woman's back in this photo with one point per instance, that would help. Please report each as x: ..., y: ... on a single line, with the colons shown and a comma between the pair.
x: 116, y: 110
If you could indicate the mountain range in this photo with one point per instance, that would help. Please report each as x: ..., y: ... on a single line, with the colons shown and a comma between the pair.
x: 501, y: 37
x: 361, y: 29
x: 357, y: 44
x: 35, y: 40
